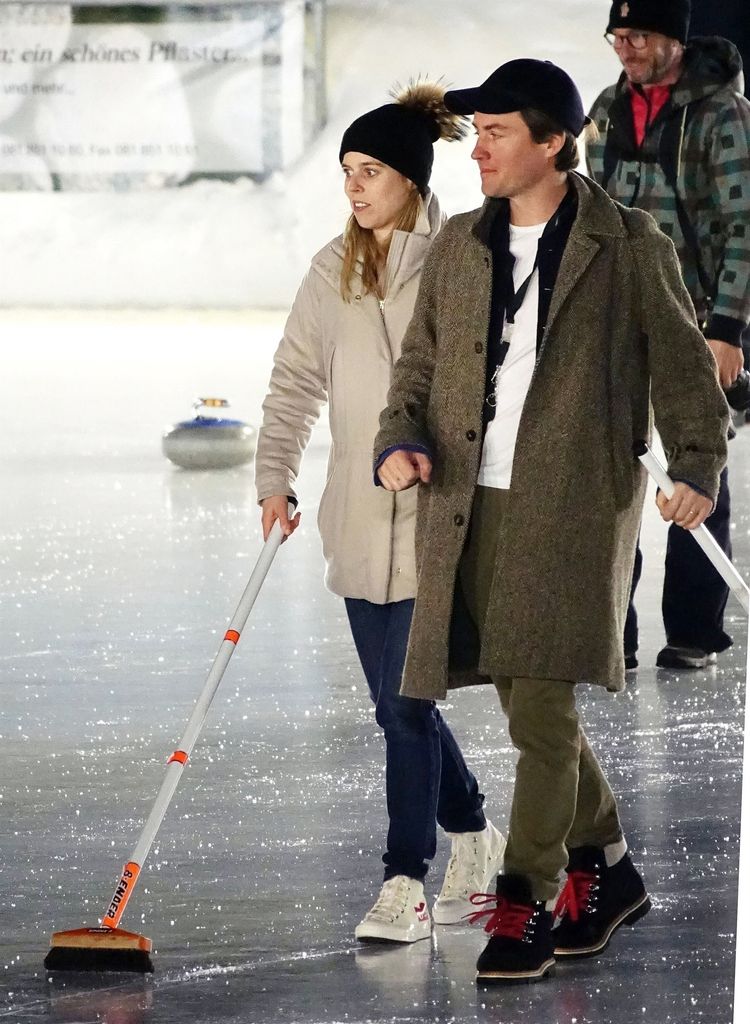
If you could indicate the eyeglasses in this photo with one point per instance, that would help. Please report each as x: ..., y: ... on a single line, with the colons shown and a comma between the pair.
x: 635, y: 40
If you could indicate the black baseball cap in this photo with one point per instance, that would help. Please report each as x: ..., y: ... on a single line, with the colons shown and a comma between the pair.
x: 523, y: 83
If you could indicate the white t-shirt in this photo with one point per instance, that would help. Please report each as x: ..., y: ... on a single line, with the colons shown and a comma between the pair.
x: 514, y: 377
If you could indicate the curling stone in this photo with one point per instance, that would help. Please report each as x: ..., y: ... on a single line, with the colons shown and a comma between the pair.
x: 210, y: 440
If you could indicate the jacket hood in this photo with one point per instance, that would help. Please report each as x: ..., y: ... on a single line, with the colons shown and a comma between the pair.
x: 711, y: 64
x: 408, y: 246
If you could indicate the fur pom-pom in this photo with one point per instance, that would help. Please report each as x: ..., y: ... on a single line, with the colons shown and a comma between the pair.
x: 426, y: 96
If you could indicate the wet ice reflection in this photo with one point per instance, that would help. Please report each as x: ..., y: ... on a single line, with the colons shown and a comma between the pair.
x: 118, y: 575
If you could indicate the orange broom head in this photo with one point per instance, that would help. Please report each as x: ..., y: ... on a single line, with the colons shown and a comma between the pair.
x: 99, y: 949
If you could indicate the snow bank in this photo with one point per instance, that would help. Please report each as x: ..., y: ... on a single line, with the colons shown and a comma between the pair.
x: 235, y: 245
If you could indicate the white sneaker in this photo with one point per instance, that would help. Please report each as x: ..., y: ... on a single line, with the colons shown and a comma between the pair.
x: 400, y: 913
x: 476, y: 858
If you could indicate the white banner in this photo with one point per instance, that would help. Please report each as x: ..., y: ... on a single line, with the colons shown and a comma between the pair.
x: 160, y: 99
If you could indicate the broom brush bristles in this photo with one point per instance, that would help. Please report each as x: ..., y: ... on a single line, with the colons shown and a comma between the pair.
x: 133, y: 961
x: 99, y: 949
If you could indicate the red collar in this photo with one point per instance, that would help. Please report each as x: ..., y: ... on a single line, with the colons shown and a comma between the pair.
x: 646, y: 104
x: 657, y: 95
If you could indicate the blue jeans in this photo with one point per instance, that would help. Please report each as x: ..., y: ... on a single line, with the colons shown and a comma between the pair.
x: 694, y: 595
x: 426, y: 778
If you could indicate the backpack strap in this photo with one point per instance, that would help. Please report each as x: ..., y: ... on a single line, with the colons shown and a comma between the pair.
x: 670, y: 161
x: 669, y: 158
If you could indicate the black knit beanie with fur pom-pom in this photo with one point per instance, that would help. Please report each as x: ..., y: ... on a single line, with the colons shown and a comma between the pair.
x: 402, y: 134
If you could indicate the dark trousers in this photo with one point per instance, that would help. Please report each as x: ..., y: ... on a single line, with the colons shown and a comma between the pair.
x: 694, y: 594
x: 426, y: 777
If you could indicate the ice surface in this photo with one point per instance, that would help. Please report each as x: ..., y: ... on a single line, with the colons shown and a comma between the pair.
x: 118, y: 575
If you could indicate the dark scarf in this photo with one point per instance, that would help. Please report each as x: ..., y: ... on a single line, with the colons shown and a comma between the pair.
x: 550, y: 252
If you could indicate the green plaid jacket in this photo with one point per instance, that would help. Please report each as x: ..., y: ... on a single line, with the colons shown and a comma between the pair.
x: 702, y: 137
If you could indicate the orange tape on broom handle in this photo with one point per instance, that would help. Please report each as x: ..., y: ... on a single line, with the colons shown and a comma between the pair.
x: 122, y: 894
x: 179, y: 758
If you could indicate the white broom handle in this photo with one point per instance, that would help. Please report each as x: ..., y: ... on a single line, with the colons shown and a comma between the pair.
x: 179, y: 758
x: 215, y: 675
x: 723, y: 566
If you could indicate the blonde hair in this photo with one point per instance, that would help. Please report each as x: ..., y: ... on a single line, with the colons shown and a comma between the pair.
x: 360, y: 244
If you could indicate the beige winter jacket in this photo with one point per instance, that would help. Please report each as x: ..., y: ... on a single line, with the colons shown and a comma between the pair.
x: 344, y: 352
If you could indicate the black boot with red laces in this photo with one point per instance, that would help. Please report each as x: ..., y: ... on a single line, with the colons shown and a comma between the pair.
x: 521, y: 944
x: 596, y: 901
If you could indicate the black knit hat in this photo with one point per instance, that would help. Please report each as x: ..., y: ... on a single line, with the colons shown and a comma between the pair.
x: 521, y: 84
x: 670, y: 17
x: 402, y: 134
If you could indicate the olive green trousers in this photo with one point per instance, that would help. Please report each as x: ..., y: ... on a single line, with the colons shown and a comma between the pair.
x: 561, y: 798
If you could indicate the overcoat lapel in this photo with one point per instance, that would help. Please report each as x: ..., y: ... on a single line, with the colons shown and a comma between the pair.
x: 579, y: 252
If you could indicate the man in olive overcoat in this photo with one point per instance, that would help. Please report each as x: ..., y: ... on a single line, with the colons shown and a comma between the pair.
x: 548, y: 324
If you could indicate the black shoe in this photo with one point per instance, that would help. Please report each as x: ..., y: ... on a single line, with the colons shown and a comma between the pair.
x: 596, y: 901
x: 672, y: 656
x: 631, y: 662
x: 521, y: 947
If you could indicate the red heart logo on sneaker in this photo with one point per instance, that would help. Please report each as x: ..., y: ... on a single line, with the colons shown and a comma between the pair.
x: 420, y: 908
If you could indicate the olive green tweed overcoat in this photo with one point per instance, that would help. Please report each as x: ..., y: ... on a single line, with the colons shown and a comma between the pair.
x: 621, y: 334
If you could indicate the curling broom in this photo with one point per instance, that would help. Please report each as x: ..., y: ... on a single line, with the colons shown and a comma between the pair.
x: 108, y: 947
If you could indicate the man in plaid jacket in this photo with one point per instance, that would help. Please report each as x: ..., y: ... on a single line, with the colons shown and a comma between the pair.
x: 674, y: 140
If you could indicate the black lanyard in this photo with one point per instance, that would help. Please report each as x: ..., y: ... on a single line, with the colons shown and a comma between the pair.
x: 549, y: 254
x: 513, y: 302
x: 514, y: 299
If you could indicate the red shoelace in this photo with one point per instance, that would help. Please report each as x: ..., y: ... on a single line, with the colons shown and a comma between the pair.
x: 504, y: 918
x: 575, y: 895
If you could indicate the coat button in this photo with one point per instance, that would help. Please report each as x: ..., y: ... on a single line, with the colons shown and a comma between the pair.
x: 479, y: 347
x: 471, y: 435
x: 458, y: 520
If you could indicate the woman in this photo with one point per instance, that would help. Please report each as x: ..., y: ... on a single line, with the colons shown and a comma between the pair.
x: 340, y: 343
